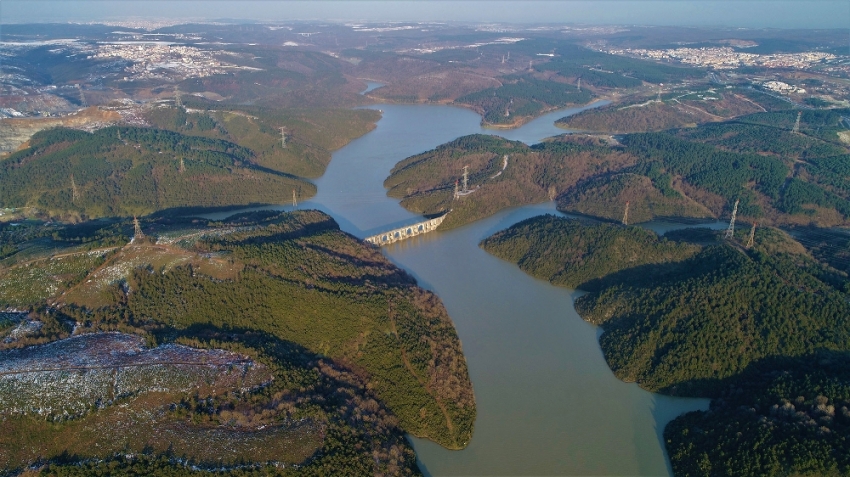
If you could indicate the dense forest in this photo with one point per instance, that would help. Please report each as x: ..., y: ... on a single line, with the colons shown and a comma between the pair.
x: 777, y: 176
x: 573, y: 254
x: 357, y: 349
x: 520, y: 98
x: 134, y: 171
x: 760, y: 330
x: 672, y: 109
x: 502, y: 174
x: 788, y: 417
x: 308, y: 147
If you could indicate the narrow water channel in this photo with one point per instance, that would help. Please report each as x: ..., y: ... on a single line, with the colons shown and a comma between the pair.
x: 547, y: 402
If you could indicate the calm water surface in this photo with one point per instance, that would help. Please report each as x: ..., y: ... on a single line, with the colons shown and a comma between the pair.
x: 370, y: 85
x: 547, y: 402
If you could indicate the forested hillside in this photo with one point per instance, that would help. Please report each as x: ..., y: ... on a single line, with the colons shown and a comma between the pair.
x: 502, y: 174
x: 135, y: 171
x: 311, y: 135
x: 359, y: 352
x: 777, y: 176
x: 521, y: 98
x: 786, y: 417
x: 763, y: 331
x: 680, y: 108
x: 573, y: 254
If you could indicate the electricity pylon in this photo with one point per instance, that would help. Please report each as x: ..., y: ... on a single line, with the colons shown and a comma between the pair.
x: 752, y: 236
x: 75, y: 194
x: 465, y: 179
x: 730, y: 232
x: 137, y: 234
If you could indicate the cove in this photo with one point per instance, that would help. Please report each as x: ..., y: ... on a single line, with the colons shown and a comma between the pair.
x: 547, y: 402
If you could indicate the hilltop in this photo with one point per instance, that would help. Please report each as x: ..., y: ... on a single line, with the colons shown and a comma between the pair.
x: 280, y: 288
x: 688, y: 107
x: 778, y: 176
x: 761, y: 330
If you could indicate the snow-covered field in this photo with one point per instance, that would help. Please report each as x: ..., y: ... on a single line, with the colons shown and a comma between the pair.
x: 71, y: 376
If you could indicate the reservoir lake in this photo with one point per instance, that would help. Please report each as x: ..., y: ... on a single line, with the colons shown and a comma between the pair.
x: 547, y: 402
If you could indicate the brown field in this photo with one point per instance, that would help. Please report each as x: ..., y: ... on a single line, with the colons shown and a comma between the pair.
x: 15, y: 132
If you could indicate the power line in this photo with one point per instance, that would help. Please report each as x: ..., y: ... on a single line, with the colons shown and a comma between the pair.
x: 626, y: 214
x: 730, y: 232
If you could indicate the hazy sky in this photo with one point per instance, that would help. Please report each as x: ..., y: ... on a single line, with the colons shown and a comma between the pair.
x: 733, y: 13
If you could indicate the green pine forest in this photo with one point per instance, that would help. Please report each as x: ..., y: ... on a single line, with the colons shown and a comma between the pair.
x: 762, y: 331
x: 778, y: 177
x: 360, y: 355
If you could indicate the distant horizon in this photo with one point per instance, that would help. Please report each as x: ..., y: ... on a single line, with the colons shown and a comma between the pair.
x: 749, y: 14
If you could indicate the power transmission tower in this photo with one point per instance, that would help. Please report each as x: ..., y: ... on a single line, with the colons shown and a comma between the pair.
x: 503, y: 59
x: 75, y: 194
x: 659, y: 94
x: 796, y: 129
x: 752, y: 236
x: 465, y: 178
x: 137, y: 234
x: 283, y: 136
x: 177, y: 99
x: 456, y: 191
x: 182, y: 166
x: 579, y: 84
x: 294, y: 200
x: 730, y: 232
x: 82, y: 96
x: 626, y: 214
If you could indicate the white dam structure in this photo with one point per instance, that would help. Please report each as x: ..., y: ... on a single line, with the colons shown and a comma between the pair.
x: 401, y: 233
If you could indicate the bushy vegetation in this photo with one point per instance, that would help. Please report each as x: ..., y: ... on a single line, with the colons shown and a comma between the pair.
x: 573, y: 254
x: 762, y: 331
x: 756, y: 138
x: 522, y: 97
x: 31, y: 283
x: 127, y: 171
x: 360, y: 355
x: 818, y: 123
x: 629, y: 119
x: 425, y: 182
x: 606, y: 70
x: 304, y: 282
x: 311, y: 134
x: 786, y: 418
x: 606, y: 197
x: 723, y: 173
